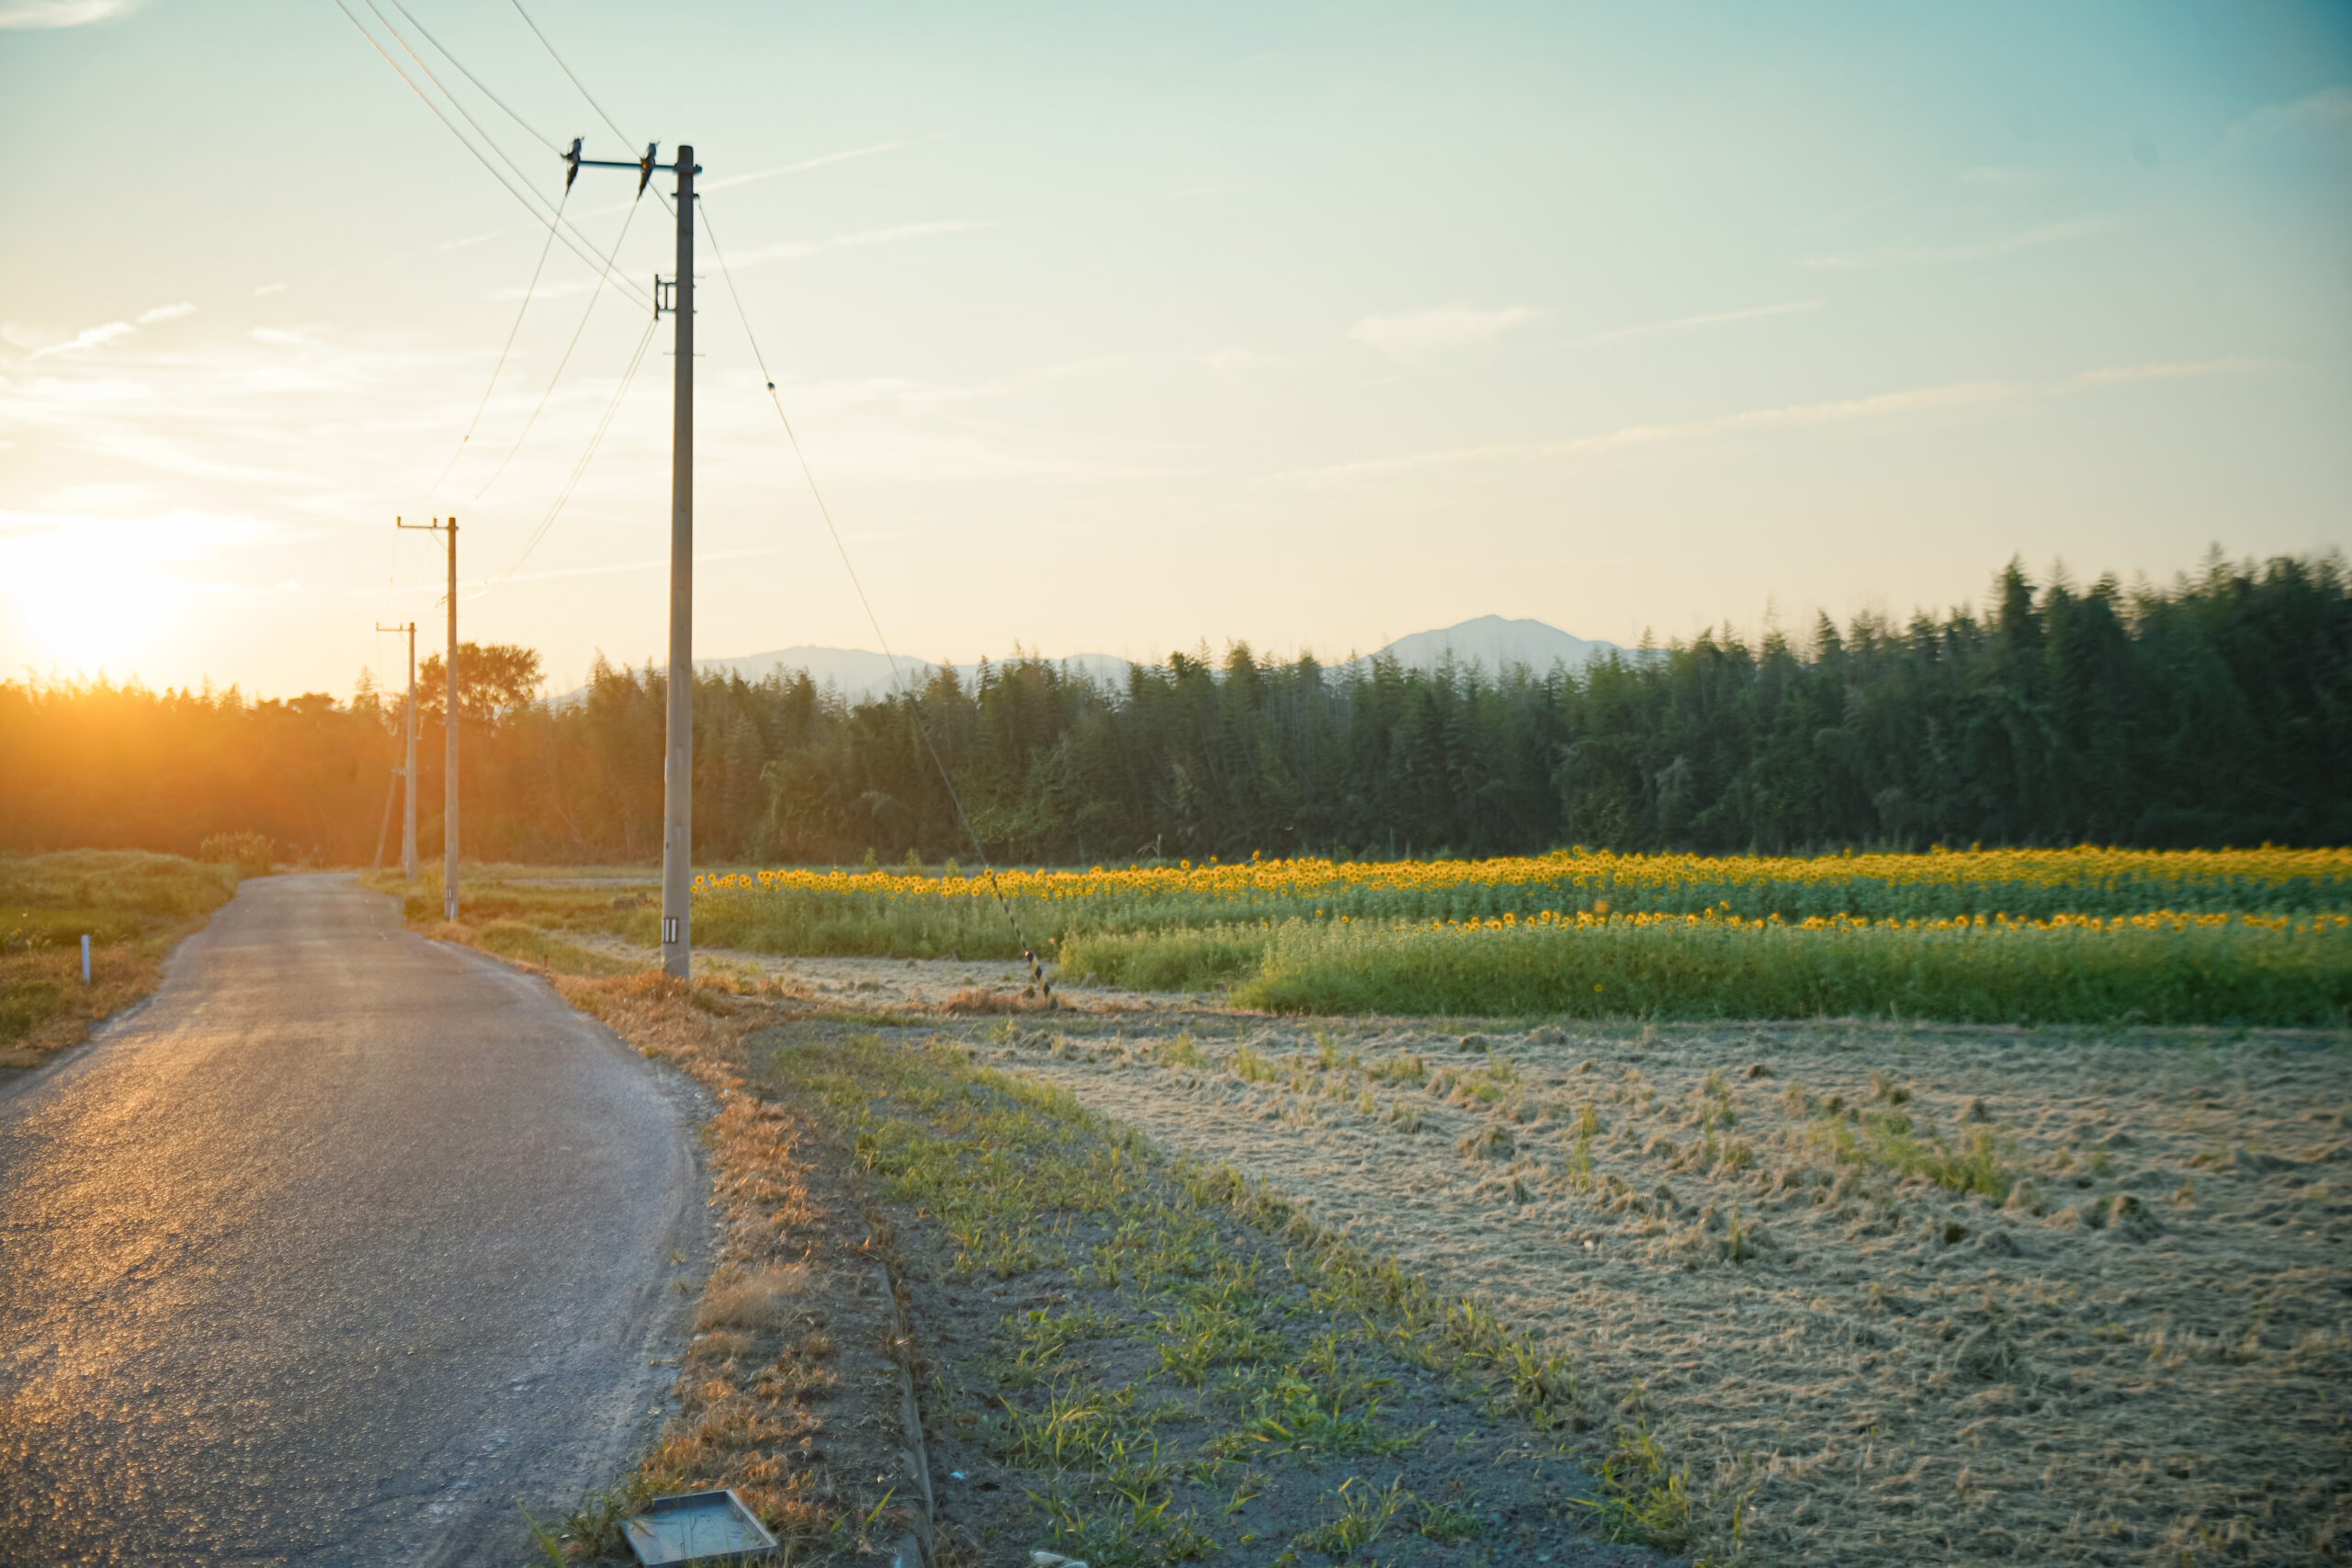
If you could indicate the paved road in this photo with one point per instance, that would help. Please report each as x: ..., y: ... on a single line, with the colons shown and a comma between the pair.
x: 342, y: 1244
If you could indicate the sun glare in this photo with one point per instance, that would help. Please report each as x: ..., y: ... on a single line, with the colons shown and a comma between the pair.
x: 92, y: 596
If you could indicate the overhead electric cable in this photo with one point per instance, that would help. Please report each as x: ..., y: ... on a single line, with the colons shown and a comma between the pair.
x: 914, y: 707
x: 521, y: 196
x: 579, y: 468
x: 593, y: 295
x: 529, y: 289
x: 575, y: 80
x: 536, y: 134
x: 557, y: 214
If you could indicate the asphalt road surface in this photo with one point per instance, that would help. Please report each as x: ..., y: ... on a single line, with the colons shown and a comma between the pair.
x: 340, y: 1246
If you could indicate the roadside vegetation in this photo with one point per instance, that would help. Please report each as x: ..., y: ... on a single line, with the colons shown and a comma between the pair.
x: 132, y: 905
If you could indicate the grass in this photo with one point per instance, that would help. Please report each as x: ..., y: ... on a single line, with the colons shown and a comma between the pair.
x: 2297, y: 975
x: 513, y: 939
x: 132, y: 905
x: 1209, y: 1358
x: 551, y: 900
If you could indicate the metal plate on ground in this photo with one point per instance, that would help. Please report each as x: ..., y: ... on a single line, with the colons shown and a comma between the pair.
x: 696, y: 1527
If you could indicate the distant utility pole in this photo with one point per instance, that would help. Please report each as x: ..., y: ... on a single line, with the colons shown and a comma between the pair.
x: 678, y: 757
x: 448, y: 726
x: 407, y: 774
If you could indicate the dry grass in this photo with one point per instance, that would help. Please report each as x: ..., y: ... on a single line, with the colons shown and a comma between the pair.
x: 981, y: 1000
x: 49, y: 1007
x: 1893, y: 1297
x: 134, y: 904
x: 786, y: 1393
x: 754, y: 1298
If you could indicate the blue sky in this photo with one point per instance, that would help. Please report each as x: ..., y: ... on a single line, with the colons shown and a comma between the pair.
x: 1118, y: 330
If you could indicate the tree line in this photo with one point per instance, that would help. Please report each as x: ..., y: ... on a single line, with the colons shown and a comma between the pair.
x: 2216, y: 709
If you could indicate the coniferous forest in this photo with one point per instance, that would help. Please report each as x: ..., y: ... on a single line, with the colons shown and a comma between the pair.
x: 2216, y: 710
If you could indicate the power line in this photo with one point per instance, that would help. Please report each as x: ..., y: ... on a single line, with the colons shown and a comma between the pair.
x: 617, y: 130
x: 529, y: 203
x: 914, y: 707
x: 507, y: 348
x: 475, y: 123
x: 536, y: 134
x: 578, y: 470
x: 593, y: 295
x: 610, y: 124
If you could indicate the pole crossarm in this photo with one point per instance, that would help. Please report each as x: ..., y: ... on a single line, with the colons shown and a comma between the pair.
x: 573, y: 163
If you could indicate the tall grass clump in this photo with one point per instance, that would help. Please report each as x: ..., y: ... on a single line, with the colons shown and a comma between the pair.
x: 2172, y: 970
x: 1183, y: 960
x: 114, y: 896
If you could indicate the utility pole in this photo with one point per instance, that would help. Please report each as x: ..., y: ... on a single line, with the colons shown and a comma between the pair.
x: 678, y: 753
x: 408, y: 773
x: 450, y: 724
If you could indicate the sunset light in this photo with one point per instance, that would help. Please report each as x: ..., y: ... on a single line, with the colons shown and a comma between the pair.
x: 1456, y: 784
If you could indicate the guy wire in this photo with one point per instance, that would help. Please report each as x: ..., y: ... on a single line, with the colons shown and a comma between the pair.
x: 529, y: 289
x: 914, y: 706
x: 594, y: 294
x: 578, y: 470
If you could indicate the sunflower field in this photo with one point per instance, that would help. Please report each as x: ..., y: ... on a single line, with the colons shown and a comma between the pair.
x: 2083, y: 934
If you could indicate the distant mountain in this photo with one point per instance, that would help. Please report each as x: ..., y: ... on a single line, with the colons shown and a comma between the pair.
x: 861, y: 675
x: 1497, y: 644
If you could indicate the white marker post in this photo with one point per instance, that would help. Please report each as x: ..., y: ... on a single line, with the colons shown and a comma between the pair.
x: 86, y: 958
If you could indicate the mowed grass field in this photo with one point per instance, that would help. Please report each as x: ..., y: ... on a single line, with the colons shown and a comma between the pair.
x: 2077, y: 936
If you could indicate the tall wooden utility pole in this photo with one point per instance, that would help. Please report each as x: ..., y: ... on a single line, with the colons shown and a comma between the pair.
x: 447, y: 526
x: 678, y: 752
x: 408, y: 772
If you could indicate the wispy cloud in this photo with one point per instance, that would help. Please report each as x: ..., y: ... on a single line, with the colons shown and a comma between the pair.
x: 113, y: 332
x: 466, y: 243
x: 42, y: 16
x: 2327, y: 111
x: 1420, y: 337
x: 781, y: 250
x: 2171, y: 370
x: 1978, y: 250
x: 724, y: 182
x: 266, y: 290
x: 1956, y: 396
x: 89, y: 337
x: 1721, y: 318
x: 792, y: 250
x: 182, y: 534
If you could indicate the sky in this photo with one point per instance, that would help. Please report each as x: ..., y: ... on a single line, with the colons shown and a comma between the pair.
x: 1116, y: 329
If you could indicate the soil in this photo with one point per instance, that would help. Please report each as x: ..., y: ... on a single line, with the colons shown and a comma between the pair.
x: 894, y: 983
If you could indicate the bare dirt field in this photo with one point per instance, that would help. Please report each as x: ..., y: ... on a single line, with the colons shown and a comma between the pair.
x: 2142, y: 1355
x: 890, y: 982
